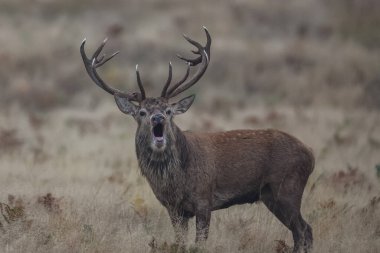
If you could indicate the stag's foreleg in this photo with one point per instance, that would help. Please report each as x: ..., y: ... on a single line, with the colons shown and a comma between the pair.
x: 180, y: 224
x: 202, y: 221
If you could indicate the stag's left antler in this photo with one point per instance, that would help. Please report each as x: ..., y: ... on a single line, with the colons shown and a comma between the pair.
x: 203, y: 59
x: 95, y: 62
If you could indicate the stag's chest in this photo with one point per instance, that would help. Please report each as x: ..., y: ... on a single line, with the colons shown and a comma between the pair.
x: 167, y: 181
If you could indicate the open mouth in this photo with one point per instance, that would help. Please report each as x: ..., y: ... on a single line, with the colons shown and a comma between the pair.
x: 158, y: 133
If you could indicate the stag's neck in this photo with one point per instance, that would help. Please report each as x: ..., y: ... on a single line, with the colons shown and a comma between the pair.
x: 163, y: 165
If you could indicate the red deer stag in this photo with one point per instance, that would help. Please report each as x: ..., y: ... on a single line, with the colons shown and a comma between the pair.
x: 192, y: 174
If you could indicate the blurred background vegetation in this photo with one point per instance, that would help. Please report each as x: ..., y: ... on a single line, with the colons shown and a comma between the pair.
x: 294, y: 52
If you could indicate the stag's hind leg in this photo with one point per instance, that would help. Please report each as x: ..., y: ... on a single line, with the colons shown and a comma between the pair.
x: 285, y: 205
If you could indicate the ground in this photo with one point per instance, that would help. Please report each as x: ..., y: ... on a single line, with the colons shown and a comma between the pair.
x: 69, y: 180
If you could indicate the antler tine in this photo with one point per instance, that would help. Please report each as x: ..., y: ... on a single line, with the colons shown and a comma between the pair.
x: 198, y: 60
x: 91, y: 64
x: 164, y: 90
x: 99, y: 49
x: 105, y: 59
x: 141, y: 87
x: 203, y: 59
x: 182, y: 80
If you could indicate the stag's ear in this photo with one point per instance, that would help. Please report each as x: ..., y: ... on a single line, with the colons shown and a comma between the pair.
x: 125, y: 105
x: 183, y: 105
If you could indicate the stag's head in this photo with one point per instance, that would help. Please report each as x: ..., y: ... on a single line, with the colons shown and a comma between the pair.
x: 154, y: 115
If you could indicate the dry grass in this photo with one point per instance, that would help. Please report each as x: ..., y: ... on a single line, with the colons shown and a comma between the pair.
x: 69, y: 180
x: 87, y: 194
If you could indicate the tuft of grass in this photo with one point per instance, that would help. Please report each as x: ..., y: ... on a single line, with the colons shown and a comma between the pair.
x: 50, y: 203
x: 173, y: 248
x: 282, y: 247
x: 13, y: 212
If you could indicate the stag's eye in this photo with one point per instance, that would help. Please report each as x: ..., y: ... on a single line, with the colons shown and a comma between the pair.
x: 168, y: 112
x: 142, y: 113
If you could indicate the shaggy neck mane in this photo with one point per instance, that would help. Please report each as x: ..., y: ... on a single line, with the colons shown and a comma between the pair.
x: 161, y: 164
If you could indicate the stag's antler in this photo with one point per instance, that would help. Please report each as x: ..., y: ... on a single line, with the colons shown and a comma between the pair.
x: 184, y: 84
x: 95, y: 62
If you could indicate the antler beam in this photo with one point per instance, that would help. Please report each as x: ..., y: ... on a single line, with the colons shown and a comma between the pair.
x: 91, y: 64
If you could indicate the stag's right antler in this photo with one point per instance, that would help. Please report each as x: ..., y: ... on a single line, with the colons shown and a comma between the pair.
x: 94, y: 62
x: 203, y: 59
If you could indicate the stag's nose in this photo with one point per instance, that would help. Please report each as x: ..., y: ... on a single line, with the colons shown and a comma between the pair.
x: 158, y: 118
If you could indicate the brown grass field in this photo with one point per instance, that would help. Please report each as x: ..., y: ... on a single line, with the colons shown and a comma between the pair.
x: 69, y: 180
